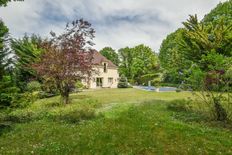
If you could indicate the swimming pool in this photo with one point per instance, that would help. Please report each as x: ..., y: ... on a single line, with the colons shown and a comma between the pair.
x: 161, y: 89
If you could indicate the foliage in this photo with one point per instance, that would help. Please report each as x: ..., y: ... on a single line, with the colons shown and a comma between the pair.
x: 27, y: 51
x: 123, y: 83
x: 4, y: 2
x: 172, y: 57
x: 8, y: 92
x: 137, y: 62
x: 222, y: 11
x: 110, y: 54
x: 214, y: 90
x: 49, y: 87
x: 74, y: 53
x: 211, y: 40
x: 33, y: 86
x: 199, y: 42
x: 4, y: 61
x: 79, y: 85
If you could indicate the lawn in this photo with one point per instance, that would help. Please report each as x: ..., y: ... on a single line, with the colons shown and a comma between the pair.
x: 111, y: 121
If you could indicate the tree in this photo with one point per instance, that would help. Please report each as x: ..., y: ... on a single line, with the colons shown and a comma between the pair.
x: 203, y: 41
x: 3, y: 53
x: 173, y: 57
x: 26, y: 52
x: 125, y: 56
x: 137, y: 61
x: 211, y: 63
x: 67, y: 57
x: 110, y: 54
x: 4, y: 2
x: 145, y: 61
x: 222, y: 11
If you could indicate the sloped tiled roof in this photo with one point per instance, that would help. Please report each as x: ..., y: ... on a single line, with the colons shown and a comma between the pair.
x: 98, y: 59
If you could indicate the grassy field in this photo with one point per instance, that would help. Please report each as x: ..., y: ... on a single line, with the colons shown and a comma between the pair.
x: 111, y: 121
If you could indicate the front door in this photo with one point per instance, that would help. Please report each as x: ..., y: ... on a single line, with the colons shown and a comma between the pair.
x: 99, y: 82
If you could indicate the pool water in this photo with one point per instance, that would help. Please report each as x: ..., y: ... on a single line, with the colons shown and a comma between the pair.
x: 161, y: 89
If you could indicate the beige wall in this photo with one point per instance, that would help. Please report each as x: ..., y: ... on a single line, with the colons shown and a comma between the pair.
x: 99, y: 73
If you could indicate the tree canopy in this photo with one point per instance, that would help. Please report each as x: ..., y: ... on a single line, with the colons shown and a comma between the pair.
x: 3, y: 52
x: 206, y: 43
x: 137, y: 61
x: 67, y: 57
x: 110, y: 54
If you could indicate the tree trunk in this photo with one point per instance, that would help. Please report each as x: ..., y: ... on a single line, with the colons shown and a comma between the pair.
x: 65, y: 94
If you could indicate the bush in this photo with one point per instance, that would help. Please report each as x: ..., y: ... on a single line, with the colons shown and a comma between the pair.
x: 25, y: 99
x: 33, y: 86
x: 123, y: 82
x: 180, y: 105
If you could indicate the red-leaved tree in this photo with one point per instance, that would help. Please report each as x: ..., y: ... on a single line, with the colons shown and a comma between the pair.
x: 67, y: 57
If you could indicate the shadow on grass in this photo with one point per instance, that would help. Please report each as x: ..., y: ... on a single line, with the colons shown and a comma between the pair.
x: 5, y: 127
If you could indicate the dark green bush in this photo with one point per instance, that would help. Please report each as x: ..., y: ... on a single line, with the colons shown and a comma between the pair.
x: 123, y: 82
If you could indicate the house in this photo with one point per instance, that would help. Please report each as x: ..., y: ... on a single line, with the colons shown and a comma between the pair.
x: 105, y: 73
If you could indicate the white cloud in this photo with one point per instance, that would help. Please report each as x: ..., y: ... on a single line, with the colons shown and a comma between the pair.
x: 118, y: 23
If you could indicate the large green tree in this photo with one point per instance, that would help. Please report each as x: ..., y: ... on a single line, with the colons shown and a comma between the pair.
x: 203, y: 42
x: 172, y: 56
x: 3, y: 53
x: 208, y: 45
x: 27, y: 51
x: 110, y: 54
x: 137, y: 62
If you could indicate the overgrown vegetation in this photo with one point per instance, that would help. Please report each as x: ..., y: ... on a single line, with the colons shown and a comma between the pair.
x: 128, y: 121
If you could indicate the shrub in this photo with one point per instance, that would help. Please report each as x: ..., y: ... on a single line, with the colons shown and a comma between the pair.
x: 25, y: 99
x: 123, y: 82
x: 33, y: 86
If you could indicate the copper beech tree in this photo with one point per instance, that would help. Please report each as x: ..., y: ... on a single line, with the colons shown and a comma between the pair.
x: 67, y: 57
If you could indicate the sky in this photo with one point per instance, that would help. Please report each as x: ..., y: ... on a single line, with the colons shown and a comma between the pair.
x: 118, y: 23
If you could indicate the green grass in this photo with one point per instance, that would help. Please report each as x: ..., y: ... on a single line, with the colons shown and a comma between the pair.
x: 127, y: 121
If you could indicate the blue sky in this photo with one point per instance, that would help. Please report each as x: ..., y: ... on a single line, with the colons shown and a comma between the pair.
x: 118, y: 23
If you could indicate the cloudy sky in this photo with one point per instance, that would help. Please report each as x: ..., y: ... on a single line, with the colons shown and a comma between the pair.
x: 118, y: 23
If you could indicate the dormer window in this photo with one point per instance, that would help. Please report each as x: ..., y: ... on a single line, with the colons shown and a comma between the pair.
x: 105, y: 67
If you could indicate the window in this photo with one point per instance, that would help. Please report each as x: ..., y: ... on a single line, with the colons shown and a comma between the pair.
x: 105, y: 67
x: 110, y: 80
x: 99, y: 82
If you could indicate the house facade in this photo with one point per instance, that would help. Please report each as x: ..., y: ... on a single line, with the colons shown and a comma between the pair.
x: 105, y: 73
